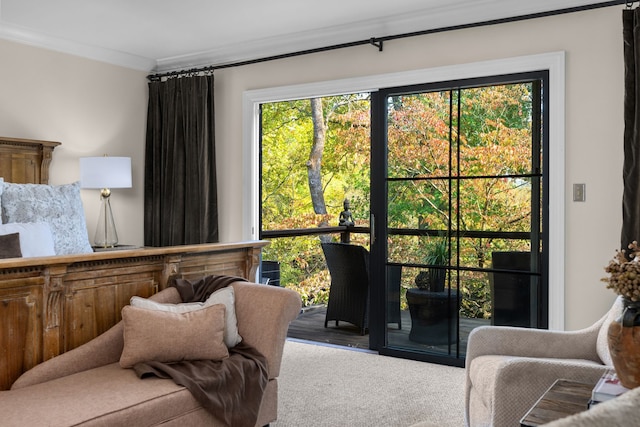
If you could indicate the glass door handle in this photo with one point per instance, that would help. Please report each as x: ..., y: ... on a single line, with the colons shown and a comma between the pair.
x: 372, y: 222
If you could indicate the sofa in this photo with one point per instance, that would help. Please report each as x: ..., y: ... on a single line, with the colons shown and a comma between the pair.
x: 509, y: 368
x: 87, y: 386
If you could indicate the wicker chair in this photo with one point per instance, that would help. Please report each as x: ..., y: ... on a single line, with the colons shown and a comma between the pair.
x: 349, y: 295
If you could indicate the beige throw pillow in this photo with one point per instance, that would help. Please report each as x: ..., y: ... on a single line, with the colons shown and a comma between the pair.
x: 221, y: 296
x: 162, y: 336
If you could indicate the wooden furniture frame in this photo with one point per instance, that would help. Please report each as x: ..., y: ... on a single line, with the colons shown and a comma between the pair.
x: 25, y: 161
x: 50, y: 305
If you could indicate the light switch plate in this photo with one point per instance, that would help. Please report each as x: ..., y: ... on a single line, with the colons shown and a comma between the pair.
x: 579, y: 192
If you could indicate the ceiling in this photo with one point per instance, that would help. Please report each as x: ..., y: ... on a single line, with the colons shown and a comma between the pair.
x: 163, y: 35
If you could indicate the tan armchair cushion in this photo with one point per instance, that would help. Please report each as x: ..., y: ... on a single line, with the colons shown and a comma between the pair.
x: 504, y: 388
x: 483, y: 374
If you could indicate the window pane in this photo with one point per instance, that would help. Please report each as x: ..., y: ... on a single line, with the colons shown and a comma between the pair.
x: 495, y: 204
x: 495, y: 130
x: 422, y: 204
x: 419, y: 134
x: 424, y: 250
x: 292, y: 196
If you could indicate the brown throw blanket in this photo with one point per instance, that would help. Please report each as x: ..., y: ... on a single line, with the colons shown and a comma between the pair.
x: 230, y: 389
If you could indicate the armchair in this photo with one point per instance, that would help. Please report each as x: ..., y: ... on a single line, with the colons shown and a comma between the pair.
x: 509, y: 368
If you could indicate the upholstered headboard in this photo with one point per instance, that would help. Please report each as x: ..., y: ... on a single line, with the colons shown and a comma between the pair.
x: 25, y: 161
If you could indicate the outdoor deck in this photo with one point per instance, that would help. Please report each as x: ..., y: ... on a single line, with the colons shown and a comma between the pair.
x: 310, y: 326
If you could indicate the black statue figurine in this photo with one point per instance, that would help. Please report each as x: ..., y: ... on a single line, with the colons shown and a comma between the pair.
x: 345, y: 215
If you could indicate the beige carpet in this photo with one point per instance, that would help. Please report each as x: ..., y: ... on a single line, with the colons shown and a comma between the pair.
x: 333, y: 386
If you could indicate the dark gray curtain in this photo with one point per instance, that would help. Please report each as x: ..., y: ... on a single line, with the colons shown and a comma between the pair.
x: 631, y: 166
x: 180, y: 200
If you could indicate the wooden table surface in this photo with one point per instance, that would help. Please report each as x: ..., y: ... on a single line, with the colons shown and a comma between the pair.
x: 563, y: 398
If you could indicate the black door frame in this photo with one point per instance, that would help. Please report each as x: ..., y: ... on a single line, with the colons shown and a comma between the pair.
x: 378, y: 203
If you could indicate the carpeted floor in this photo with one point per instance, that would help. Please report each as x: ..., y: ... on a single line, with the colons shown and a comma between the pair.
x: 322, y: 385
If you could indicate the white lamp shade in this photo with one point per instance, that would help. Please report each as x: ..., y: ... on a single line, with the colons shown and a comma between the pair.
x: 105, y: 172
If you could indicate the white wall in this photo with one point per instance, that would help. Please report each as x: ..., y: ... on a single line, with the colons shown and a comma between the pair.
x: 592, y: 41
x: 91, y: 108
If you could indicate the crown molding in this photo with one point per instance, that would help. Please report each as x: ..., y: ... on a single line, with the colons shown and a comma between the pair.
x: 321, y: 38
x: 441, y: 17
x: 32, y: 38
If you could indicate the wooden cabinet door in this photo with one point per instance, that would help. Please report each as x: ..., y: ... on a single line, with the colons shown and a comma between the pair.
x: 93, y: 300
x: 20, y: 331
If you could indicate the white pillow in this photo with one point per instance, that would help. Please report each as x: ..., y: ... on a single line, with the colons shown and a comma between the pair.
x: 35, y: 238
x: 58, y: 205
x: 221, y: 296
x: 184, y: 307
x: 1, y: 187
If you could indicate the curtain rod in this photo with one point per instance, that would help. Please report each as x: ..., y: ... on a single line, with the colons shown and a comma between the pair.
x: 379, y: 41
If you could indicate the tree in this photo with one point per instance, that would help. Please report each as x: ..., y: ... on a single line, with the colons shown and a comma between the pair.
x: 462, y: 168
x: 493, y: 144
x: 315, y: 153
x: 314, y: 165
x: 314, y: 158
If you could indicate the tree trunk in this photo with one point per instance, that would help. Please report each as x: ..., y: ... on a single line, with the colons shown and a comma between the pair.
x: 314, y: 165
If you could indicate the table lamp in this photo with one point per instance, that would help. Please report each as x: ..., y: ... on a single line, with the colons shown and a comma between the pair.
x: 105, y: 173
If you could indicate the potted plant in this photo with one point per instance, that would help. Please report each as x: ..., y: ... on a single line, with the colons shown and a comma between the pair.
x: 433, y: 311
x: 623, y: 334
x: 437, y: 256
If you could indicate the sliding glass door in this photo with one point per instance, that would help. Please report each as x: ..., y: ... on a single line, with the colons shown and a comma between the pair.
x: 458, y: 212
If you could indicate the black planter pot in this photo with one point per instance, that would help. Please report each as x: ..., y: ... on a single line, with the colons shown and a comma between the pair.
x: 432, y: 280
x: 437, y: 277
x: 433, y: 316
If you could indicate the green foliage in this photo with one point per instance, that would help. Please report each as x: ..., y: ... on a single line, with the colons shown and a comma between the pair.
x: 494, y: 141
x: 437, y: 252
x: 313, y: 290
x: 475, y: 294
x: 492, y: 134
x: 287, y: 135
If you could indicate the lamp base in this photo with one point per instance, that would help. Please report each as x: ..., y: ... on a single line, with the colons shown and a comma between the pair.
x: 106, y: 235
